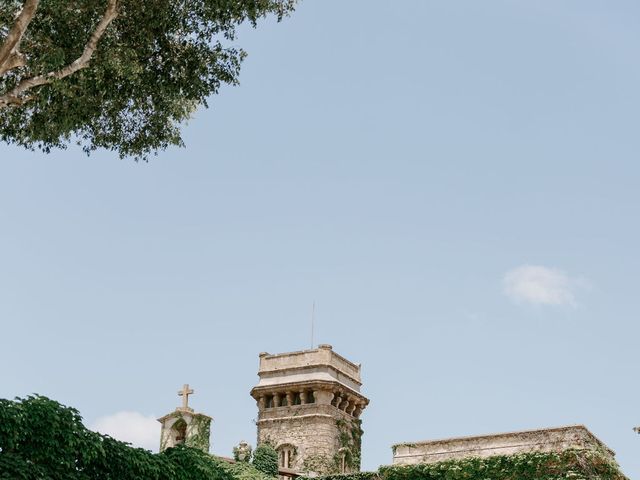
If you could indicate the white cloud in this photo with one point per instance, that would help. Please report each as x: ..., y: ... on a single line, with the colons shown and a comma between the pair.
x: 541, y: 285
x: 133, y: 427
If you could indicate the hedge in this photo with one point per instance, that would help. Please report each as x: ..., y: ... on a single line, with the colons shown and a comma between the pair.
x: 42, y: 439
x: 565, y: 465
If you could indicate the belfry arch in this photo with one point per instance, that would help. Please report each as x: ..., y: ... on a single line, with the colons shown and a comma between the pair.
x: 184, y: 426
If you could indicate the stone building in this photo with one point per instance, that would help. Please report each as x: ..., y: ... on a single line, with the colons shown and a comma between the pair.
x: 309, y: 407
x: 574, y: 437
x: 184, y: 426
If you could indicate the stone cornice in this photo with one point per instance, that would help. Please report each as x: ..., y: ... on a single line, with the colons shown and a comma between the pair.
x: 303, y: 368
x: 308, y: 385
x: 296, y: 417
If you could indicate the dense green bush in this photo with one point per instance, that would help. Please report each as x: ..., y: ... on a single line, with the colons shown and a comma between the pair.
x: 41, y: 439
x: 347, y: 476
x: 246, y: 471
x: 265, y: 459
x: 242, y: 452
x: 570, y: 464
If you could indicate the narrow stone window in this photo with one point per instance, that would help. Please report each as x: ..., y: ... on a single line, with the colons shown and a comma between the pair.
x: 344, y: 460
x: 286, y: 454
x: 296, y: 399
x: 269, y: 401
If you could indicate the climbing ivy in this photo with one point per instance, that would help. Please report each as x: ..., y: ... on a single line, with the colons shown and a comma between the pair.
x: 42, y: 439
x: 395, y: 447
x: 198, y: 432
x: 242, y: 452
x: 350, y: 445
x: 245, y: 471
x: 346, y: 476
x: 565, y: 465
x: 319, y: 464
x: 194, y: 464
x: 568, y: 464
x: 265, y: 459
x: 350, y: 438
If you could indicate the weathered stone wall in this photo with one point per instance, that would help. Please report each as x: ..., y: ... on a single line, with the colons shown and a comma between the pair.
x: 312, y: 435
x: 544, y: 440
x: 309, y: 404
x: 319, y: 434
x: 308, y: 365
x: 197, y: 429
x: 323, y: 355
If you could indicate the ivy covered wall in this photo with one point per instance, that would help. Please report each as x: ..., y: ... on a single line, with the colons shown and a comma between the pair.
x: 347, y: 432
x: 41, y: 439
x: 566, y: 465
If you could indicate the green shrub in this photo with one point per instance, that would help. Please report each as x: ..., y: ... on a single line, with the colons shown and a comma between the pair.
x: 41, y: 439
x: 246, y: 471
x: 347, y: 476
x: 566, y: 465
x: 242, y: 452
x: 265, y: 459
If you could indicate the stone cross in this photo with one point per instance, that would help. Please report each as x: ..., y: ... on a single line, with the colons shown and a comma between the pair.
x: 184, y: 393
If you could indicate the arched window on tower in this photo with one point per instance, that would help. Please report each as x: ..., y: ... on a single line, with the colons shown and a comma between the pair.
x: 286, y: 455
x: 345, y: 460
x: 179, y: 431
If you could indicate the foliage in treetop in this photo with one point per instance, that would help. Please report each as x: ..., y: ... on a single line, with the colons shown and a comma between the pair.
x: 346, y: 476
x: 246, y: 471
x: 565, y: 465
x: 153, y: 63
x: 39, y: 438
x: 265, y: 459
x: 568, y: 464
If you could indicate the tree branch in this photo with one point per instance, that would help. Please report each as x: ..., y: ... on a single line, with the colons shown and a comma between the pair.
x: 10, y: 58
x: 14, y: 96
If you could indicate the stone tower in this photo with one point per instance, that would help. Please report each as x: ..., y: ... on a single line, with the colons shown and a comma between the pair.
x: 185, y: 426
x: 309, y: 406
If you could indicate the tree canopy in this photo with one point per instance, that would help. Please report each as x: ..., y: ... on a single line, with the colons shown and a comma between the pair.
x: 265, y: 459
x: 39, y: 438
x: 121, y: 75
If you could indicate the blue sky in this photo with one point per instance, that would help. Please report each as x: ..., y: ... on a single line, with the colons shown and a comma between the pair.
x: 454, y: 183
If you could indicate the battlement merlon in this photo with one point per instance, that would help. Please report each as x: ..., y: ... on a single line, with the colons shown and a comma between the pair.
x: 319, y: 364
